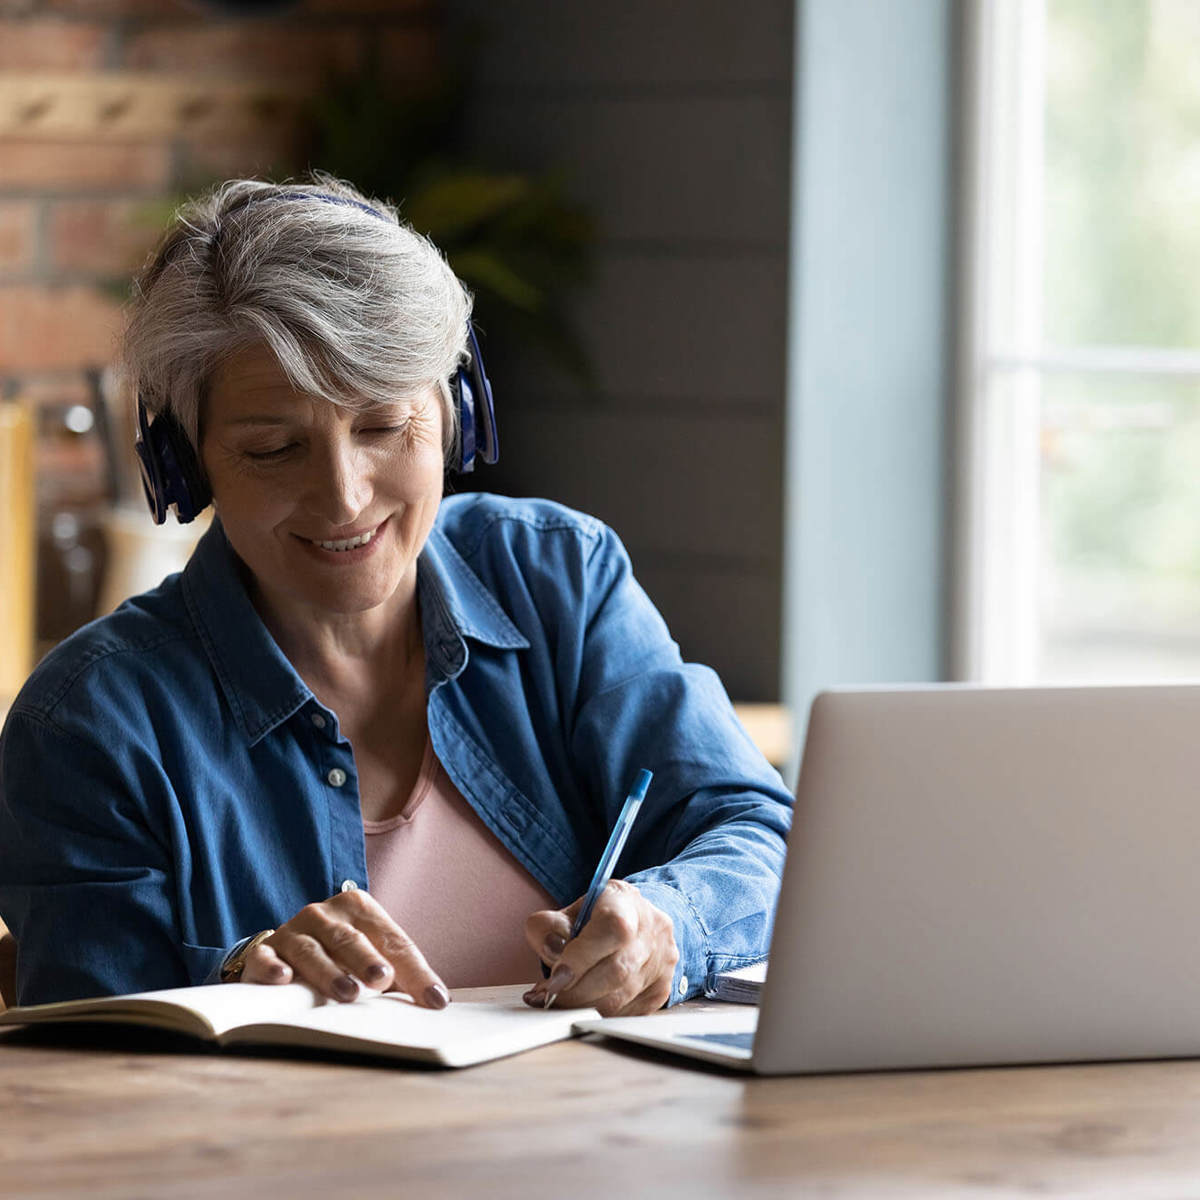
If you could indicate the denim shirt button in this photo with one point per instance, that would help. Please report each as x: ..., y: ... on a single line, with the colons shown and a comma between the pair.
x: 348, y: 885
x: 318, y: 720
x: 683, y: 985
x: 336, y: 777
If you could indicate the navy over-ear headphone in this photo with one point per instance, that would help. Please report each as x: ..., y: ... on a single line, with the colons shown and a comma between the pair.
x: 471, y: 393
x: 173, y: 477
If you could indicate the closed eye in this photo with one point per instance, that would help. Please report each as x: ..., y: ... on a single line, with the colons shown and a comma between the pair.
x: 270, y: 455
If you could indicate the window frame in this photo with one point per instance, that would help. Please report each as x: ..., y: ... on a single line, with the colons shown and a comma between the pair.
x: 995, y: 529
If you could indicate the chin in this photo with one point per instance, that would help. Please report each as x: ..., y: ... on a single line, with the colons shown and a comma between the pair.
x: 347, y: 600
x: 344, y: 593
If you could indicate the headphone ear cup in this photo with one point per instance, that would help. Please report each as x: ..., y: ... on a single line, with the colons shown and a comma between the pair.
x: 464, y: 402
x: 171, y: 472
x: 471, y: 395
x: 189, y: 488
x: 483, y: 404
x: 150, y: 464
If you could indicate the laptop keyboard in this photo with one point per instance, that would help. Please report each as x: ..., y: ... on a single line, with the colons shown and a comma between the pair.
x: 740, y: 1041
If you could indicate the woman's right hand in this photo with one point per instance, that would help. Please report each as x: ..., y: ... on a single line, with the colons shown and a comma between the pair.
x: 339, y: 942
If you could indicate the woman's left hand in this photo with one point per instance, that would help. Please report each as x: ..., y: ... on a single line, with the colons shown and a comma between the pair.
x: 622, y: 963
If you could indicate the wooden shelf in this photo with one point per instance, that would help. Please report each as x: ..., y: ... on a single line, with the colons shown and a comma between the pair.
x: 133, y: 106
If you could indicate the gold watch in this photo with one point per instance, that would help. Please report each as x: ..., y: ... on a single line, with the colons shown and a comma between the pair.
x: 235, y: 962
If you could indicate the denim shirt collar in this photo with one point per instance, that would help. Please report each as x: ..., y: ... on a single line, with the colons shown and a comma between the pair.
x: 260, y: 684
x: 455, y: 606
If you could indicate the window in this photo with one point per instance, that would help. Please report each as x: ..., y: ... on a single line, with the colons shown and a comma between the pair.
x: 1079, y: 439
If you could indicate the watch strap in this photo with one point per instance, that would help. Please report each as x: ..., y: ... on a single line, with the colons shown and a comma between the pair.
x: 235, y: 961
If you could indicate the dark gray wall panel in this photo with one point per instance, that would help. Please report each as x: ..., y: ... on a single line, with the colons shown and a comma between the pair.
x: 538, y: 44
x: 678, y: 328
x: 672, y: 123
x: 674, y: 483
x: 707, y: 169
x: 727, y: 619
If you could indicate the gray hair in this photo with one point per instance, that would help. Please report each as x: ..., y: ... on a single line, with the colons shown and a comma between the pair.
x: 355, y: 305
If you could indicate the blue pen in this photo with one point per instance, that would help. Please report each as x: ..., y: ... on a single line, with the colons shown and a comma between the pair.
x: 608, y: 860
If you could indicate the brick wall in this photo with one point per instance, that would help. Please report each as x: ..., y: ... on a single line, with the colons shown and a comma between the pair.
x: 75, y: 206
x: 107, y: 108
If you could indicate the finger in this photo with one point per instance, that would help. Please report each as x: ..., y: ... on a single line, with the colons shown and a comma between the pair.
x: 547, y: 933
x: 410, y: 972
x: 349, y: 945
x: 413, y: 974
x: 263, y: 965
x: 312, y: 965
x: 614, y: 925
x: 331, y: 923
x: 611, y: 984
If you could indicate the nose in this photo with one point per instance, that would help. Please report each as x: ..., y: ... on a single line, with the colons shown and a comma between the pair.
x: 338, y: 488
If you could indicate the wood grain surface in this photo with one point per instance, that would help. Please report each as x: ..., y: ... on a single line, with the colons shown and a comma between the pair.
x: 107, y: 1113
x: 130, y: 105
x: 18, y: 546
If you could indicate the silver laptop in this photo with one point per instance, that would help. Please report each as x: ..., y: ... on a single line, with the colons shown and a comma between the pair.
x: 979, y: 876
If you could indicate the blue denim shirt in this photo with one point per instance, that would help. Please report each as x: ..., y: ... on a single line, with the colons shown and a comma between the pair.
x: 169, y: 784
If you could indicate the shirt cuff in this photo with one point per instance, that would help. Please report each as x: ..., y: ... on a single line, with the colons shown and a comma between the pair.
x: 690, y: 939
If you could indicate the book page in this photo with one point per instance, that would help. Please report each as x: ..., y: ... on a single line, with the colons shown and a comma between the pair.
x: 226, y: 1005
x: 471, y: 1029
x: 204, y: 1011
x: 755, y: 973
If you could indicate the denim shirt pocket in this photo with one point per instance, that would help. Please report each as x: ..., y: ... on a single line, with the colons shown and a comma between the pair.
x: 202, y: 962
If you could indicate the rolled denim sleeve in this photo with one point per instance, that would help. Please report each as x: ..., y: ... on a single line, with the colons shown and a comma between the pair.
x: 709, y: 844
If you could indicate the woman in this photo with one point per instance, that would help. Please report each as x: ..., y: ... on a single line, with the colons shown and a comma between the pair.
x: 355, y: 680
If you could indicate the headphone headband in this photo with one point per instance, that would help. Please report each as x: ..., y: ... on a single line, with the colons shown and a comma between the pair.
x: 323, y: 197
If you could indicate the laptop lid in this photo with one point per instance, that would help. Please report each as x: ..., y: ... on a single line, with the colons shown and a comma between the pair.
x: 982, y: 875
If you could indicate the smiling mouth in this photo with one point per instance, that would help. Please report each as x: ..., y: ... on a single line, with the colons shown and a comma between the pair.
x: 341, y: 544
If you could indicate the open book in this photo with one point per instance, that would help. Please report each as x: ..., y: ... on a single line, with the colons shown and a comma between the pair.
x: 481, y: 1024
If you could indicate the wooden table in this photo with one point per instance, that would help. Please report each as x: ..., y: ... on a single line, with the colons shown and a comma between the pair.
x: 111, y: 1114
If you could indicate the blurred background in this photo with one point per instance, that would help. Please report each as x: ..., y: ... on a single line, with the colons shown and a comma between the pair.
x: 612, y: 186
x: 872, y: 327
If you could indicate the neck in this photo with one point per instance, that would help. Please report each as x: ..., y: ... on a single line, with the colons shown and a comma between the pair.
x: 347, y: 653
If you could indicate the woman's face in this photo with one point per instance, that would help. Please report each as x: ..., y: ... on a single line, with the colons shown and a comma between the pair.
x: 327, y: 508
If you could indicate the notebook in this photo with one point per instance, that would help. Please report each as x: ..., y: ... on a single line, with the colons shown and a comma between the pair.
x: 978, y: 876
x: 740, y: 986
x: 482, y: 1023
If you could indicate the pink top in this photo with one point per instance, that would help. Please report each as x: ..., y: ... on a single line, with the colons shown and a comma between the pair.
x: 451, y: 885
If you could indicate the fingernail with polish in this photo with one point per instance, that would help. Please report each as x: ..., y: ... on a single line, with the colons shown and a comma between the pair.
x: 553, y: 946
x: 560, y: 979
x: 344, y: 988
x: 436, y: 996
x: 533, y: 996
x: 375, y: 972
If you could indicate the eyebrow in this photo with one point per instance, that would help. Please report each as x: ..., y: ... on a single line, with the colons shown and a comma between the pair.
x: 260, y: 420
x: 269, y: 420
